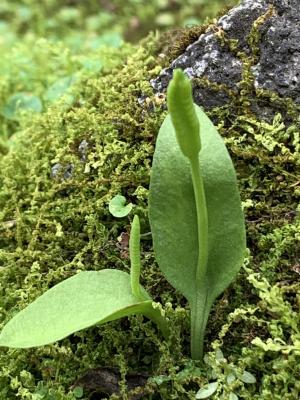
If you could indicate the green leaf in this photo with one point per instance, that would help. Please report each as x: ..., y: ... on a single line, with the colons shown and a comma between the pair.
x: 58, y: 89
x: 247, y: 377
x: 41, y: 392
x: 84, y: 300
x: 233, y: 396
x: 118, y: 207
x: 91, y: 65
x: 230, y: 378
x: 78, y: 392
x: 207, y: 390
x: 160, y: 379
x: 173, y: 215
x: 111, y: 39
x: 220, y: 355
x: 21, y: 102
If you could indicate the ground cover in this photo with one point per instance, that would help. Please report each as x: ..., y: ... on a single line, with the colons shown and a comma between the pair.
x: 59, y: 173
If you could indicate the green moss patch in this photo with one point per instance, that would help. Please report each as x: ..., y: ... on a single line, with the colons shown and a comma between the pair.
x: 56, y: 184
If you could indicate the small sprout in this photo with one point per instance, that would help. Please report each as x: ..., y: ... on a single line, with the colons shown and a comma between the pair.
x: 207, y: 390
x: 118, y: 207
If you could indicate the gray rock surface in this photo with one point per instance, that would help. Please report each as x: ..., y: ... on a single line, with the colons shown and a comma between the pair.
x: 66, y: 172
x: 274, y: 59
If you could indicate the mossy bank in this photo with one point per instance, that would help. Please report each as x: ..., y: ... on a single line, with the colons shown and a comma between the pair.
x: 56, y: 183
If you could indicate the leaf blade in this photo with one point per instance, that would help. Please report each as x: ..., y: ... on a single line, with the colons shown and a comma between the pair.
x: 79, y: 302
x: 118, y: 207
x: 247, y: 377
x: 173, y: 218
x: 207, y: 390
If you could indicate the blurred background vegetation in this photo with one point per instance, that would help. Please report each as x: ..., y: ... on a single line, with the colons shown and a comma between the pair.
x: 47, y: 45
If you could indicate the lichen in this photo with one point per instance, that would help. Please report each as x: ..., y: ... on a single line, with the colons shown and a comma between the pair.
x: 54, y: 225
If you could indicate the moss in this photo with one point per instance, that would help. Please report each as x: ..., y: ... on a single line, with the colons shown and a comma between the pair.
x: 174, y: 42
x: 47, y: 71
x: 46, y: 46
x: 53, y: 225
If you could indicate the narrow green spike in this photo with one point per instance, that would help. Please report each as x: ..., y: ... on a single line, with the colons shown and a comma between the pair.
x: 187, y: 129
x: 135, y: 258
x: 183, y: 115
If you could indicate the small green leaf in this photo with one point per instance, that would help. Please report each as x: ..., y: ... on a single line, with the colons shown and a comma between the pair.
x: 41, y: 391
x: 118, y: 207
x: 247, y: 377
x: 230, y: 378
x: 220, y: 355
x: 91, y: 65
x: 233, y: 396
x: 78, y: 392
x: 207, y: 390
x: 58, y: 89
x: 160, y: 379
x: 21, y: 102
x: 111, y: 39
x: 84, y: 300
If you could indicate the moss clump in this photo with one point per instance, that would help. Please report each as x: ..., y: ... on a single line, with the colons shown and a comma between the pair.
x: 46, y: 46
x: 54, y: 224
x: 55, y: 187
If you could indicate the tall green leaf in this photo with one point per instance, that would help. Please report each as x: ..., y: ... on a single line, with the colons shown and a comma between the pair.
x: 84, y: 300
x: 173, y: 217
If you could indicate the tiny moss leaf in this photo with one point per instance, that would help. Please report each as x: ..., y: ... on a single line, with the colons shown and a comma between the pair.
x: 207, y: 390
x: 246, y: 377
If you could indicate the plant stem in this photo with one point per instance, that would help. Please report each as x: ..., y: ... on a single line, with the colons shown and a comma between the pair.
x: 156, y: 316
x: 198, y: 314
x: 135, y: 270
x: 135, y: 258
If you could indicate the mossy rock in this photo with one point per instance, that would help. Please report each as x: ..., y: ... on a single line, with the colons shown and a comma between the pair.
x: 56, y: 184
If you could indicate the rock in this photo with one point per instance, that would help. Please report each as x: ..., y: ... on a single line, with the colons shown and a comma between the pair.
x: 267, y: 36
x: 82, y: 149
x: 59, y: 170
x: 106, y: 380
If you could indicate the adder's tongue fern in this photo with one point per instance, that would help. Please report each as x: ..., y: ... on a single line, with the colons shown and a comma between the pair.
x: 183, y: 115
x: 186, y: 189
x: 187, y: 128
